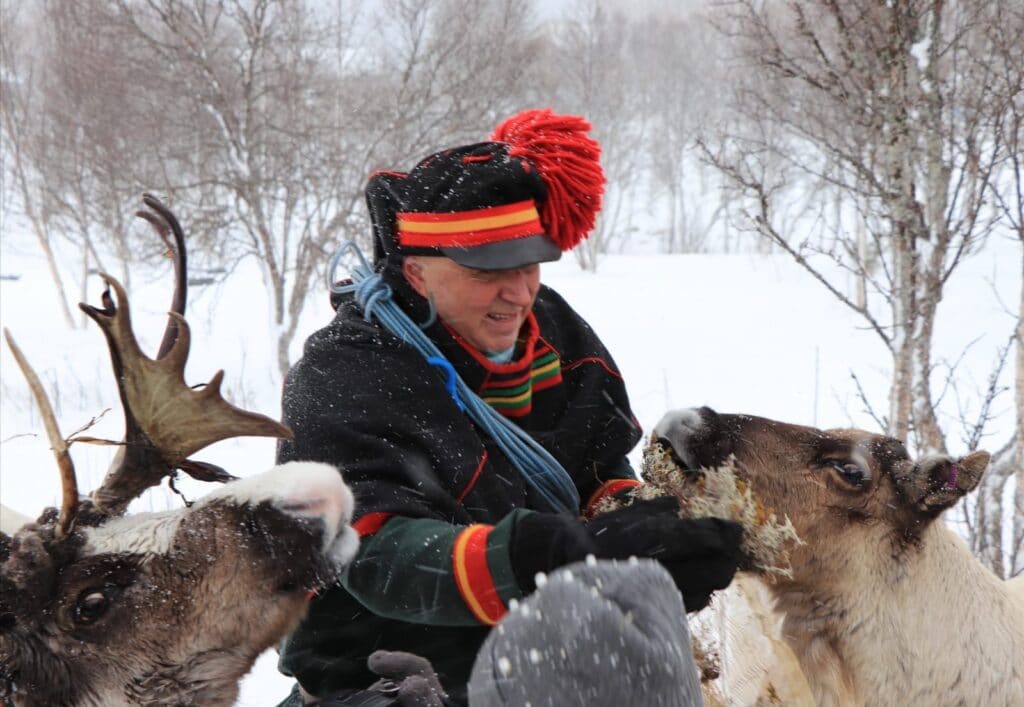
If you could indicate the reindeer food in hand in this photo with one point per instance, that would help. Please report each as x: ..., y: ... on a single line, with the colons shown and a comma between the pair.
x: 720, y: 493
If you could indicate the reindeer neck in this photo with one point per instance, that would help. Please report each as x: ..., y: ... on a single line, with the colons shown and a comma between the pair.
x: 923, y: 624
x: 209, y: 679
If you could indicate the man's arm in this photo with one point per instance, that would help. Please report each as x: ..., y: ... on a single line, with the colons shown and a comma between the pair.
x: 427, y: 571
x: 616, y: 482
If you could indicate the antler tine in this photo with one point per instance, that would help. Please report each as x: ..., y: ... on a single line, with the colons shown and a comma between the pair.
x: 164, y: 222
x: 166, y: 421
x: 69, y: 484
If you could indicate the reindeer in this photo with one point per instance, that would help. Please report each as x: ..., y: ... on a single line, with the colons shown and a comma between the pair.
x: 168, y: 608
x: 886, y: 605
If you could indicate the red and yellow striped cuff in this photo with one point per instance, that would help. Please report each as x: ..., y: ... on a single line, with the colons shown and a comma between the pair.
x: 473, y: 577
x: 463, y: 229
x: 608, y: 488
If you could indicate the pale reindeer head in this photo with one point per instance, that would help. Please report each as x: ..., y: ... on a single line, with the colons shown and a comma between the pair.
x: 168, y: 608
x: 832, y: 484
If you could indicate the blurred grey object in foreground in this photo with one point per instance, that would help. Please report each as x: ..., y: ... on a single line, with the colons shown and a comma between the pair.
x: 595, y: 634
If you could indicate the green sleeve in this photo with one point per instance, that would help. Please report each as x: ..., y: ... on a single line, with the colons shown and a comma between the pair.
x: 427, y: 571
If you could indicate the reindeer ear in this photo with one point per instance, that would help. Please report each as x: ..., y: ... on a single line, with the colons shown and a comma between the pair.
x: 972, y: 467
x: 944, y: 481
x: 29, y: 564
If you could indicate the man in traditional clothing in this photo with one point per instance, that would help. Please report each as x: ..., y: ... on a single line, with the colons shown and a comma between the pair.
x: 479, y: 439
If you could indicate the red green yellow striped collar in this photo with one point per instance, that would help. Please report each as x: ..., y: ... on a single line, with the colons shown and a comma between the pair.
x: 532, y: 334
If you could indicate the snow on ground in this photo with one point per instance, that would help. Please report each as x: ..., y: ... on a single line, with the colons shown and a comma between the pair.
x: 742, y: 333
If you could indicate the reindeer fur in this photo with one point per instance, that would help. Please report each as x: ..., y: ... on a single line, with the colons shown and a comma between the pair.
x: 195, y: 595
x: 886, y: 605
x: 161, y: 608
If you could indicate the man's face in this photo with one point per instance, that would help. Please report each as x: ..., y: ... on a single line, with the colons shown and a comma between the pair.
x: 486, y: 307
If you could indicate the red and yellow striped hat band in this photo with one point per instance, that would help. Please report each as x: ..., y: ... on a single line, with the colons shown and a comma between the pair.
x: 465, y: 229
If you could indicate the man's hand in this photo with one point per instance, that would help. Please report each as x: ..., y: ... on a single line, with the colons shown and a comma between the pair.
x: 701, y: 554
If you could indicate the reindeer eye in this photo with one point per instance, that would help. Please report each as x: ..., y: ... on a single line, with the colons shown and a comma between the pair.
x: 92, y: 605
x: 851, y: 473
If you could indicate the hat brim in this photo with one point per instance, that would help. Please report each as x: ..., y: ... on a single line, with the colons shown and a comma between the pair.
x: 505, y: 255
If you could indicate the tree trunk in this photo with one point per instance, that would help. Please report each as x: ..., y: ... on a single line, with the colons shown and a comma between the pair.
x: 926, y: 426
x: 904, y: 307
x: 1017, y: 459
x: 36, y: 219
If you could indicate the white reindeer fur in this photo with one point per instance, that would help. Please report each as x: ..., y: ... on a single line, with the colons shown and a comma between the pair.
x: 1016, y: 587
x: 758, y: 666
x: 303, y: 489
x: 145, y: 533
x: 933, y: 627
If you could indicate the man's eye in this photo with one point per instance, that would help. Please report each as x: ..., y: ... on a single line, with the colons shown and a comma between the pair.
x: 485, y: 275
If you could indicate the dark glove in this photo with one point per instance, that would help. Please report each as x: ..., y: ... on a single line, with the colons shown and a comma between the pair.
x: 700, y: 554
x: 410, y: 679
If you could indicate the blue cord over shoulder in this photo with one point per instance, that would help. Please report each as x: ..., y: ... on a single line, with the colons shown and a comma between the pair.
x: 539, y: 468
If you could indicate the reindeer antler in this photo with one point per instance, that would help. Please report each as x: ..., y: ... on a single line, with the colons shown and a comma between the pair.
x: 69, y: 484
x: 166, y: 421
x: 165, y: 223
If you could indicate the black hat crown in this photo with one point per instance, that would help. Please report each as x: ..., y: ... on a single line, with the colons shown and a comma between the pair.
x: 522, y: 198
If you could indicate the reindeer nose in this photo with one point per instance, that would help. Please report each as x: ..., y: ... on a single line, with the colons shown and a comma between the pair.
x: 678, y: 425
x: 316, y: 490
x: 301, y: 489
x: 676, y: 430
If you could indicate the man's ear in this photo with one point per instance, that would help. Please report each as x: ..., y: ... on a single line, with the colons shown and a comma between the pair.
x: 412, y: 269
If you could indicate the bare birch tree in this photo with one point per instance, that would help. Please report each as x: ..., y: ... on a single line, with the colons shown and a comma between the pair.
x: 82, y: 142
x: 294, y: 111
x: 251, y: 75
x: 446, y: 70
x: 897, y: 110
x: 681, y: 80
x: 59, y: 122
x: 263, y: 118
x: 596, y: 76
x: 18, y: 109
x: 993, y: 540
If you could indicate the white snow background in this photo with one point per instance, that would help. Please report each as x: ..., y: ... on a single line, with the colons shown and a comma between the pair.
x: 741, y: 333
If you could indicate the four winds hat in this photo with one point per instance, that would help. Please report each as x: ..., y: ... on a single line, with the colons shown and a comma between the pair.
x: 530, y: 193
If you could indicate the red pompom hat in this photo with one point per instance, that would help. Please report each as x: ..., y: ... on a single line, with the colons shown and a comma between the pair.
x: 530, y: 193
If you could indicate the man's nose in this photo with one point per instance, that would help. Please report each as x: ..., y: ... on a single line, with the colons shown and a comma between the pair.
x: 516, y: 289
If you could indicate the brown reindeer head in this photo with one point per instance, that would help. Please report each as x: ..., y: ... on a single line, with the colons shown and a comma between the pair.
x: 170, y: 607
x: 825, y: 481
x: 100, y: 608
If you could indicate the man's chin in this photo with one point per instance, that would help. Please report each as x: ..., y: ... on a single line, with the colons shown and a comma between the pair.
x: 498, y: 342
x: 496, y: 348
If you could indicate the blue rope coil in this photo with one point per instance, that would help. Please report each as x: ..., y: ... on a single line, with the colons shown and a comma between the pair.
x: 539, y: 468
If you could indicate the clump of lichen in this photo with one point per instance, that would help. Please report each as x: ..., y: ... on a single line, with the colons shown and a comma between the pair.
x: 721, y: 493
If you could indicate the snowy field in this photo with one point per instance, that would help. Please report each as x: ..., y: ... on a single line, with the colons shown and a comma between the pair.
x: 742, y: 333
